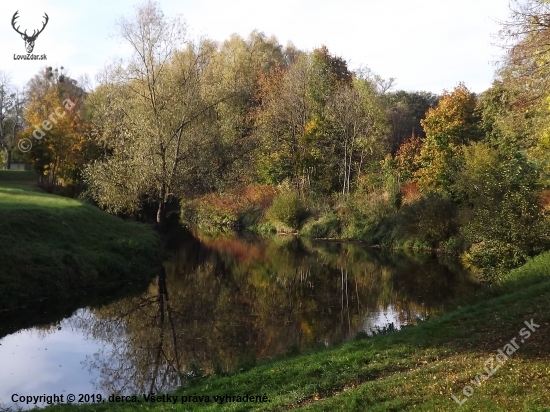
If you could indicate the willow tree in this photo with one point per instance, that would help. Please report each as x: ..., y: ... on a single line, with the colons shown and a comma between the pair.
x: 155, y: 113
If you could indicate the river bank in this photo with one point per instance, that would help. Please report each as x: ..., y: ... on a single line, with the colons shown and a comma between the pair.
x: 53, y: 247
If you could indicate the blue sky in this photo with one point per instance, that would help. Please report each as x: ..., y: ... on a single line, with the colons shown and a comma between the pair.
x: 426, y: 45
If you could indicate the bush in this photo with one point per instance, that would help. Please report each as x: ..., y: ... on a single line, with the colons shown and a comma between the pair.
x: 288, y: 209
x: 431, y: 218
x: 454, y: 245
x: 327, y: 226
x: 363, y: 211
x: 235, y: 210
x: 508, y: 223
x: 502, y: 236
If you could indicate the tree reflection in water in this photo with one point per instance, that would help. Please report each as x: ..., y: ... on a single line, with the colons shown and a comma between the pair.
x: 221, y: 304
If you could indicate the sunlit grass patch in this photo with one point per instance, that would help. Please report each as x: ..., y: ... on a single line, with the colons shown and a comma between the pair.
x: 52, y: 246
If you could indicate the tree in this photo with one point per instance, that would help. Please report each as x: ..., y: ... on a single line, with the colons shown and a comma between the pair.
x: 406, y: 160
x: 241, y: 62
x: 358, y: 125
x: 404, y: 111
x: 508, y: 223
x: 11, y: 119
x: 283, y: 120
x: 166, y: 96
x: 453, y: 123
x: 526, y: 37
x: 55, y: 126
x: 294, y: 125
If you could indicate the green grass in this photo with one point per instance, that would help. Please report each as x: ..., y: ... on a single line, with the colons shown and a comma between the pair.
x: 17, y: 176
x: 53, y: 247
x: 418, y: 368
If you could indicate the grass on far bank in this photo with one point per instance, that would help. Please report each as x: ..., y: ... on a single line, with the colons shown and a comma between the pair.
x: 53, y: 247
x: 418, y: 368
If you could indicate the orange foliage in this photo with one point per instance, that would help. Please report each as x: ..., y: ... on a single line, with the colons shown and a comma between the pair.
x: 241, y: 199
x: 410, y: 192
x: 545, y: 199
x: 242, y: 251
x: 226, y: 210
x: 407, y: 157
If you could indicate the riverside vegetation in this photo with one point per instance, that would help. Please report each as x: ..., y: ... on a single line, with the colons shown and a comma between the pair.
x: 248, y: 134
x: 272, y: 138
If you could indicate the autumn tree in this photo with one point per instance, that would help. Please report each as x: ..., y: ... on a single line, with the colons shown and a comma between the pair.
x: 162, y: 108
x: 526, y: 38
x: 240, y: 63
x: 358, y: 126
x: 283, y: 121
x: 406, y: 160
x: 453, y: 123
x: 508, y: 223
x: 55, y: 126
x: 298, y: 139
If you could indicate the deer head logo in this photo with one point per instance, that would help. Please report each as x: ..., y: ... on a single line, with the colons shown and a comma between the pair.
x: 29, y: 40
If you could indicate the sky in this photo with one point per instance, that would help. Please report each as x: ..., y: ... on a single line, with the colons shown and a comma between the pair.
x: 426, y: 45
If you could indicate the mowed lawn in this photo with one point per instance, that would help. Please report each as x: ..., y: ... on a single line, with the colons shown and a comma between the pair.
x: 56, y: 247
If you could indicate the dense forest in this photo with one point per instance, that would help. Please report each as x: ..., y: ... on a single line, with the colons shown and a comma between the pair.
x: 251, y: 134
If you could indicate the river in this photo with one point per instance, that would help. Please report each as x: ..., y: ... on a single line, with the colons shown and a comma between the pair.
x: 221, y: 305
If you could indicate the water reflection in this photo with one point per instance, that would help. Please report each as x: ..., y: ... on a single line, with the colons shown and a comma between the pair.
x: 222, y: 304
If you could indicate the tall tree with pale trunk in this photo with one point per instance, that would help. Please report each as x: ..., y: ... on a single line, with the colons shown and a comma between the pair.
x: 161, y: 105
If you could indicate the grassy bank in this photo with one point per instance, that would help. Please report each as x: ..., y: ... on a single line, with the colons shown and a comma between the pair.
x: 55, y: 247
x: 418, y: 368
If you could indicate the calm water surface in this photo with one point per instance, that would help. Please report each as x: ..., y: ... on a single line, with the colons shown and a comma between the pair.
x: 223, y: 305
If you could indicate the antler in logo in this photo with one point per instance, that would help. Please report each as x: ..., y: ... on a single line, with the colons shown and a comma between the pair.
x: 29, y: 40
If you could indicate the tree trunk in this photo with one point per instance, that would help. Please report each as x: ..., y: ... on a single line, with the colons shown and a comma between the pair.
x: 161, y: 216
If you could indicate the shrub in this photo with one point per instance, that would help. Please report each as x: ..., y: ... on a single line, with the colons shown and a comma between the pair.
x: 287, y: 208
x: 431, y: 218
x: 240, y: 208
x: 508, y: 223
x: 327, y: 226
x: 454, y: 245
x: 376, y: 198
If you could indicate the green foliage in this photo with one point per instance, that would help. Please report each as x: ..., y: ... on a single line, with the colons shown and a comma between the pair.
x: 452, y: 124
x: 431, y: 218
x: 453, y: 245
x: 362, y: 211
x: 327, y: 226
x: 288, y: 209
x: 508, y: 224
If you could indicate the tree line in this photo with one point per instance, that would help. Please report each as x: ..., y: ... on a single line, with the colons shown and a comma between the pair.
x: 182, y: 126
